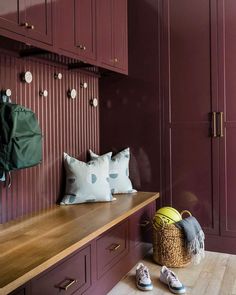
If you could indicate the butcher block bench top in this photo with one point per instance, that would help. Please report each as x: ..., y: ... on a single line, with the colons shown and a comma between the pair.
x: 30, y: 245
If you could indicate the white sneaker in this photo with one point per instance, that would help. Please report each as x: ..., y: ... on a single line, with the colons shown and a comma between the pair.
x: 143, y: 280
x: 169, y: 277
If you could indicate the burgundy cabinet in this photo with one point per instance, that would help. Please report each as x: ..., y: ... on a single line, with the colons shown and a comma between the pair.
x: 12, y: 16
x: 29, y: 18
x: 85, y: 33
x: 74, y: 274
x: 190, y: 81
x: 111, y: 247
x: 75, y: 31
x: 227, y: 105
x: 39, y: 19
x: 198, y: 50
x: 96, y: 267
x: 141, y: 226
x: 112, y: 34
x: 23, y: 290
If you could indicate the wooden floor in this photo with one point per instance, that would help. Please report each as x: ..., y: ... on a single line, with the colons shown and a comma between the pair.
x: 215, y: 275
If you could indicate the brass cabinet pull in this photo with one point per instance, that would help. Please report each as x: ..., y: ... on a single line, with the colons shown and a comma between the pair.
x: 221, y: 124
x: 25, y: 25
x: 115, y: 59
x: 82, y: 47
x: 114, y: 247
x: 66, y: 284
x: 31, y: 27
x: 213, y: 119
x: 145, y: 223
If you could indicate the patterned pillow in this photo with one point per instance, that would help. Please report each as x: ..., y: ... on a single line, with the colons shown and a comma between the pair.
x: 118, y: 172
x: 87, y: 182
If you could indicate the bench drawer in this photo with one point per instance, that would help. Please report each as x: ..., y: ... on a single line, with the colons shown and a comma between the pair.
x: 141, y: 225
x: 66, y: 278
x: 111, y: 247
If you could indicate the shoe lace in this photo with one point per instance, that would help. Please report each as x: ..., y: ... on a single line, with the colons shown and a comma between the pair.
x: 171, y: 276
x: 144, y: 272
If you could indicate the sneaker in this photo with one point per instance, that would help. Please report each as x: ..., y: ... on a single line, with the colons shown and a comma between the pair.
x: 169, y: 278
x: 143, y: 280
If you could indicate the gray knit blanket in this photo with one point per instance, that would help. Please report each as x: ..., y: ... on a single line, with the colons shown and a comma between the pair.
x: 194, y: 238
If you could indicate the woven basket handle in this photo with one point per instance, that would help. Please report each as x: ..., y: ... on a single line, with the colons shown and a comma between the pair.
x: 185, y: 211
x: 162, y: 223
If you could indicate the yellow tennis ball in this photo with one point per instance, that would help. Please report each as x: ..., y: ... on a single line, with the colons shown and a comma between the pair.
x: 166, y: 215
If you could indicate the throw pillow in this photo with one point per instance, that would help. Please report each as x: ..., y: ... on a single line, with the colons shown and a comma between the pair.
x: 87, y: 182
x: 118, y: 172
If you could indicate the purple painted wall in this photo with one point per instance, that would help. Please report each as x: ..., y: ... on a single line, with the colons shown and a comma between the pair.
x: 130, y: 105
x: 68, y: 125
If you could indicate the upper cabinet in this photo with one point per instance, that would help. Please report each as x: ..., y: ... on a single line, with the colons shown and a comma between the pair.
x: 38, y: 20
x: 12, y: 16
x: 31, y: 19
x: 75, y: 30
x: 85, y: 28
x: 91, y: 31
x: 112, y: 34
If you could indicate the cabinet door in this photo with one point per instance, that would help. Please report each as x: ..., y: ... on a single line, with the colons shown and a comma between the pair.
x: 65, y: 11
x: 190, y: 82
x: 39, y: 19
x: 112, y: 34
x: 76, y: 28
x: 72, y: 275
x: 141, y: 225
x: 12, y: 16
x: 85, y: 28
x: 227, y: 87
x: 111, y: 247
x: 120, y: 42
x: 104, y: 31
x: 23, y: 290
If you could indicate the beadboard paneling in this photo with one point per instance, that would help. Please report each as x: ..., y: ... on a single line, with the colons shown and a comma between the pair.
x: 67, y: 125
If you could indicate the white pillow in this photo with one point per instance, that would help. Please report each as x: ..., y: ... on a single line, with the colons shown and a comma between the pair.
x: 87, y: 182
x: 118, y: 172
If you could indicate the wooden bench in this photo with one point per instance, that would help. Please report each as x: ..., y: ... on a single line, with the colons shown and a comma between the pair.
x: 78, y: 247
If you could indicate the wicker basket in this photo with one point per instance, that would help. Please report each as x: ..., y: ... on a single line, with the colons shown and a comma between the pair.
x: 169, y: 246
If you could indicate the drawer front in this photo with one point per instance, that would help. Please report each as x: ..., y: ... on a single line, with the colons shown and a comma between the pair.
x: 141, y: 225
x: 111, y: 247
x: 66, y: 278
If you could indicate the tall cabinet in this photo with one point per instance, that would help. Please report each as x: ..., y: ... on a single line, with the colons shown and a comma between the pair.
x: 198, y: 68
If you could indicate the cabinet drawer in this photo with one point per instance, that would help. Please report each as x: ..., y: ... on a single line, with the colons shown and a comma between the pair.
x: 111, y: 247
x: 66, y: 278
x: 141, y: 225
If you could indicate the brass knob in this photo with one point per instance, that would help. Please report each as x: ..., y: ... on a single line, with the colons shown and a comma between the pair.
x: 31, y: 27
x: 25, y: 25
x: 82, y: 47
x: 115, y: 60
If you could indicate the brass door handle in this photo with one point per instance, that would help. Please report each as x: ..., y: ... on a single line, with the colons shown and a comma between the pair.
x: 221, y: 114
x: 66, y: 284
x: 213, y: 122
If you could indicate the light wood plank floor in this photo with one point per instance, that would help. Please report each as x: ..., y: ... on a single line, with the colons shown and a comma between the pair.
x: 215, y: 275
